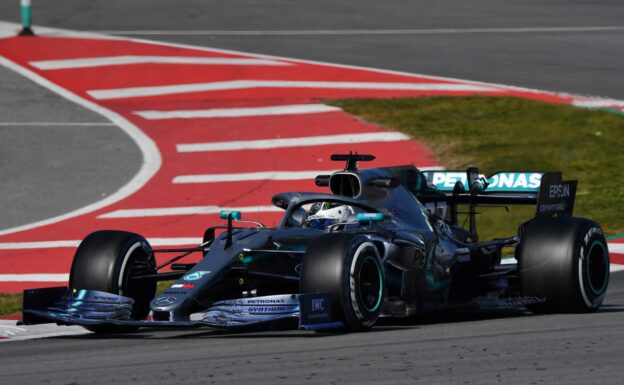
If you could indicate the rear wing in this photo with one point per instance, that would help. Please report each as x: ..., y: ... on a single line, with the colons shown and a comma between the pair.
x: 546, y: 190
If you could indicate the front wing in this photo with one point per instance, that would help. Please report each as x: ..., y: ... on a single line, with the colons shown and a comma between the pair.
x: 93, y: 308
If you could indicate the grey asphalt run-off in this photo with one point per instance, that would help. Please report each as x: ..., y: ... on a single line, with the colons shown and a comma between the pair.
x: 503, y: 348
x: 587, y: 62
x: 55, y: 156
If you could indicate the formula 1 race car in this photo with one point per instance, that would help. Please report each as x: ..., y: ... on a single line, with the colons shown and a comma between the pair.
x: 385, y: 243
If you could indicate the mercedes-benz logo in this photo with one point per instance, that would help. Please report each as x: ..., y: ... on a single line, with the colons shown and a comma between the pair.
x: 163, y: 301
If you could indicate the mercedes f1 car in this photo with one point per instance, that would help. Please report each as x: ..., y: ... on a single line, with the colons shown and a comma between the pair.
x: 385, y: 242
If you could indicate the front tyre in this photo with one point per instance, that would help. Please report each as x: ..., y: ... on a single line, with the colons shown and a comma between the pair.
x: 566, y: 261
x: 108, y: 261
x: 347, y: 266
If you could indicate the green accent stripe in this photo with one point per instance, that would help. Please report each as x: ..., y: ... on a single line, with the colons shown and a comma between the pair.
x: 381, y: 283
x: 26, y: 17
x: 615, y: 236
x: 614, y: 111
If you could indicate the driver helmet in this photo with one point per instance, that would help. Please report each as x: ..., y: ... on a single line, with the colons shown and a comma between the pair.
x: 323, y: 214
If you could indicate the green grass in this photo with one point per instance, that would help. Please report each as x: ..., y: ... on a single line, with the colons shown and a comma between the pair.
x: 10, y: 303
x: 498, y: 134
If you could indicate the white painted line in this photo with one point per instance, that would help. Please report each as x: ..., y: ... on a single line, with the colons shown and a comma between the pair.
x: 55, y: 124
x: 20, y: 333
x: 292, y: 109
x: 8, y: 30
x: 386, y: 136
x: 598, y: 103
x: 34, y: 277
x: 408, y: 31
x: 617, y: 248
x: 174, y: 241
x: 37, y: 245
x: 75, y: 243
x: 48, y: 31
x: 151, y: 156
x: 612, y: 267
x: 615, y: 268
x: 262, y: 175
x: 133, y: 92
x: 189, y: 210
x: 125, y: 60
x: 243, y: 177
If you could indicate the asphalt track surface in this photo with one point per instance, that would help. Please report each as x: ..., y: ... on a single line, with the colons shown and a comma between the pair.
x: 513, y: 348
x: 584, y: 62
x: 55, y: 156
x: 507, y: 348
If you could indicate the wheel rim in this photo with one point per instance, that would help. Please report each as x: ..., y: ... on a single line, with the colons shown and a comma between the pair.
x: 597, y: 267
x: 370, y: 284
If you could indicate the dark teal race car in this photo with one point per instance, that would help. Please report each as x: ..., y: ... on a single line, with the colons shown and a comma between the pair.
x: 384, y: 242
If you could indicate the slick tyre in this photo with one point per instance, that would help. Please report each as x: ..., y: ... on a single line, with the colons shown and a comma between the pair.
x: 347, y: 266
x: 107, y: 261
x: 566, y: 261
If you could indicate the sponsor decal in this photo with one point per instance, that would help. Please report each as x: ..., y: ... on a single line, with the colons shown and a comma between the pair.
x: 514, y: 181
x: 556, y: 196
x: 272, y: 301
x: 274, y: 309
x: 196, y: 275
x: 503, y: 181
x: 463, y: 255
x: 592, y: 231
x: 165, y: 301
x: 559, y: 191
x: 183, y: 286
x: 315, y: 308
x: 551, y: 208
x: 318, y: 304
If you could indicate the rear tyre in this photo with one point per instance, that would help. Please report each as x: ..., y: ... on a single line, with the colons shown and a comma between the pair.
x: 107, y: 261
x: 347, y: 266
x: 566, y: 261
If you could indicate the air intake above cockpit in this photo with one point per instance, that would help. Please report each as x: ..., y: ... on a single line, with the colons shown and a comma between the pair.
x: 346, y: 184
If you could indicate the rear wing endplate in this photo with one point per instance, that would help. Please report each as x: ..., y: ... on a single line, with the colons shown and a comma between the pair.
x: 556, y: 197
